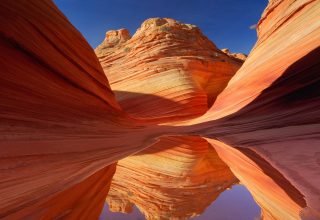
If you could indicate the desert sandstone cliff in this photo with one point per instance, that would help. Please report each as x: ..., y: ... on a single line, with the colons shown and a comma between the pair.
x: 288, y: 41
x: 60, y: 123
x: 62, y: 129
x: 272, y: 105
x: 165, y: 63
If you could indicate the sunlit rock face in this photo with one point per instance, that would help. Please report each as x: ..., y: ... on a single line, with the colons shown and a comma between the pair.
x: 176, y: 178
x: 272, y: 103
x: 167, y: 64
x: 62, y: 130
x: 280, y: 69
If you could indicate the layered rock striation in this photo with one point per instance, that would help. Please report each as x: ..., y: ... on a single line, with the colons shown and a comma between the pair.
x: 240, y: 56
x: 176, y: 178
x: 281, y: 64
x: 272, y: 105
x: 276, y: 196
x: 61, y: 126
x: 62, y: 129
x: 165, y: 63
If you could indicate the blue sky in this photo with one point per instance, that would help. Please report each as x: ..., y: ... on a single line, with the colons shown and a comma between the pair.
x: 225, y: 22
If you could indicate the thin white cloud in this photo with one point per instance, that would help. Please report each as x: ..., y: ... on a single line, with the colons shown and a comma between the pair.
x: 252, y: 27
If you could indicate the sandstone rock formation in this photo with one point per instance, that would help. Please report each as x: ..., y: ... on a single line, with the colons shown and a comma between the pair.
x: 167, y: 64
x: 60, y: 124
x: 277, y: 62
x: 114, y: 38
x: 62, y: 130
x: 176, y: 178
x: 272, y: 104
x: 240, y: 56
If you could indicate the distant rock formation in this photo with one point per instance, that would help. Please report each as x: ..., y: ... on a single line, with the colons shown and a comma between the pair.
x: 240, y: 56
x: 114, y: 38
x: 166, y: 63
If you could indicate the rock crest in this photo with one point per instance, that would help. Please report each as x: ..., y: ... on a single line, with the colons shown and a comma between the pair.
x: 166, y: 62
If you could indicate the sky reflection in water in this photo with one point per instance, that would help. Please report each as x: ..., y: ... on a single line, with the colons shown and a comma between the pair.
x: 236, y: 203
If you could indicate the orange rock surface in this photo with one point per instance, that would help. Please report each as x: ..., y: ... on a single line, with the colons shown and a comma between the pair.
x: 240, y: 56
x: 272, y: 104
x: 176, y: 178
x: 276, y: 196
x: 288, y: 31
x: 167, y: 64
x: 60, y: 124
x: 62, y: 129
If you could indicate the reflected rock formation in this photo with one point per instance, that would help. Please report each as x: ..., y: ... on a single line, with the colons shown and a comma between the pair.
x: 63, y: 129
x: 276, y: 196
x: 165, y: 63
x: 176, y: 178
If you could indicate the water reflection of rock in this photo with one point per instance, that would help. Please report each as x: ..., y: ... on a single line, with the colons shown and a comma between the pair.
x: 179, y: 177
x: 176, y: 178
x: 278, y: 194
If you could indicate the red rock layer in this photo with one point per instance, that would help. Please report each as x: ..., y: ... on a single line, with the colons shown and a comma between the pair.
x: 167, y: 71
x: 82, y: 201
x: 276, y: 196
x: 60, y: 123
x: 176, y: 178
x: 288, y: 31
x: 61, y: 128
x: 272, y: 103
